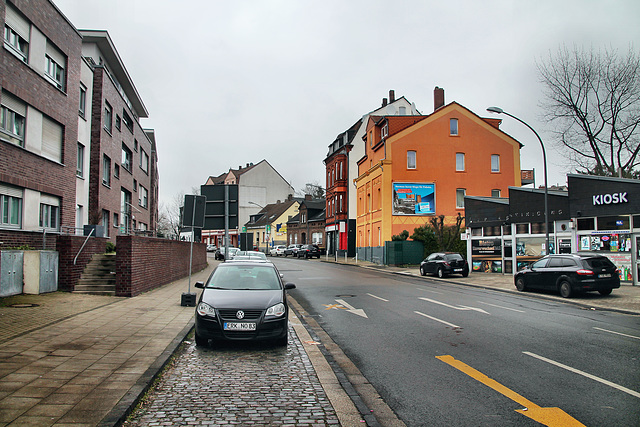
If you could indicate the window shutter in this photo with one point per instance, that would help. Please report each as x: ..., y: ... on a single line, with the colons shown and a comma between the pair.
x: 14, y: 104
x: 56, y: 55
x: 49, y: 200
x: 17, y: 23
x: 51, y: 139
x: 11, y: 191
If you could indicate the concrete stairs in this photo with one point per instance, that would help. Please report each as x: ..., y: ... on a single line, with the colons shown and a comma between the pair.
x: 99, y: 276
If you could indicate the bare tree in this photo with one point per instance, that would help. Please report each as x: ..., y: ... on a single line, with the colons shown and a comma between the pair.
x: 593, y: 98
x: 313, y: 188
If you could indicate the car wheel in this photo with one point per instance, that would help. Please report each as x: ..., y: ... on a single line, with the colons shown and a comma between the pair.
x: 422, y: 272
x: 465, y: 272
x: 605, y: 292
x: 565, y: 289
x: 520, y: 284
x: 201, y: 341
x: 440, y: 272
x: 283, y: 341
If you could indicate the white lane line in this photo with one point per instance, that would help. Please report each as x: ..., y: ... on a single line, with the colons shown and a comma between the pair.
x: 381, y: 299
x: 462, y: 307
x: 577, y: 371
x: 617, y: 333
x: 436, y: 319
x: 429, y: 290
x: 499, y: 306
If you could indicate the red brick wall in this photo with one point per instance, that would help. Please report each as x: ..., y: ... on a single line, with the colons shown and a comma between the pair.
x: 17, y: 238
x: 144, y: 263
x: 68, y: 247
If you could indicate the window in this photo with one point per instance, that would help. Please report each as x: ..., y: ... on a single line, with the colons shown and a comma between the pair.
x: 118, y: 122
x: 116, y: 171
x: 54, y: 70
x: 129, y: 124
x: 12, y: 123
x: 49, y: 216
x: 460, y: 162
x: 116, y: 220
x: 17, y: 45
x: 453, y: 126
x: 495, y: 193
x: 10, y: 207
x: 83, y: 101
x: 411, y: 159
x: 341, y: 170
x: 460, y: 192
x: 127, y: 158
x: 402, y: 111
x: 135, y: 145
x: 80, y: 163
x: 106, y: 170
x: 125, y: 209
x: 143, y: 195
x: 495, y: 163
x: 108, y: 116
x: 144, y: 161
x: 384, y: 131
x: 135, y: 185
x: 52, y: 139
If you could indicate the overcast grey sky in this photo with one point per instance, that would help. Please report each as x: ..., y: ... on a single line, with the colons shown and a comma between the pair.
x: 232, y: 82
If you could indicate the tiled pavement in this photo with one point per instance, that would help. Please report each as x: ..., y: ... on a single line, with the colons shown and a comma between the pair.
x: 79, y: 360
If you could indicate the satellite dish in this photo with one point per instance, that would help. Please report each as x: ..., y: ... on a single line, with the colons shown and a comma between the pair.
x: 413, y: 108
x: 390, y: 110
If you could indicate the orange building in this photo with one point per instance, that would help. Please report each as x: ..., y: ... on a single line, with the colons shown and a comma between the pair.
x: 416, y: 167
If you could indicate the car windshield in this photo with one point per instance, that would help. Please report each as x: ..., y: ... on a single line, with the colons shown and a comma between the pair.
x: 244, y: 277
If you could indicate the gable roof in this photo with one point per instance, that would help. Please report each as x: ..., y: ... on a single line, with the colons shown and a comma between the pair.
x: 272, y: 212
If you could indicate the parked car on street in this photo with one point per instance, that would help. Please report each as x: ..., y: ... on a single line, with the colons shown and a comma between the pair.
x: 243, y: 301
x: 308, y: 251
x: 249, y: 256
x: 570, y: 274
x: 211, y: 248
x: 277, y: 250
x: 292, y: 250
x: 220, y: 253
x: 444, y: 263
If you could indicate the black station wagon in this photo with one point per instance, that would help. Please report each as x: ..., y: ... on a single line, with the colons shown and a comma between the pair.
x: 570, y: 274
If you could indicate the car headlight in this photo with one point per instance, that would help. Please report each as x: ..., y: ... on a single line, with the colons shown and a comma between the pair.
x: 205, y: 309
x: 276, y: 310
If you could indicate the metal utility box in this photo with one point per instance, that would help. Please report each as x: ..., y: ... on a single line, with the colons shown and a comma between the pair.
x: 40, y: 272
x: 11, y: 272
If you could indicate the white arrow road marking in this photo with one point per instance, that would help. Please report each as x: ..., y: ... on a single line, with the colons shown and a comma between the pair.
x: 577, y: 371
x: 350, y: 309
x: 436, y: 319
x: 462, y: 307
x: 380, y: 298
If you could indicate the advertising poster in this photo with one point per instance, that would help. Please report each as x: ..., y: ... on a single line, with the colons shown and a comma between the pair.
x: 414, y: 198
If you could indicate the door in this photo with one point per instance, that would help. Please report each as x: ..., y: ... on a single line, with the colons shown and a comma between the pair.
x: 11, y: 270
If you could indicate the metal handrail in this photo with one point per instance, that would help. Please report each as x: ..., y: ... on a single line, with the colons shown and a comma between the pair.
x: 81, y: 248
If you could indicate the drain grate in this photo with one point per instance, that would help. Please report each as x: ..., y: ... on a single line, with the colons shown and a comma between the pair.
x: 345, y: 296
x: 24, y: 305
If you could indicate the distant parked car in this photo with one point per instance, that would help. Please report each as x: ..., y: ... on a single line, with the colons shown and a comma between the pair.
x: 221, y: 255
x: 292, y: 250
x: 444, y: 263
x: 277, y: 250
x: 211, y: 248
x: 249, y: 256
x: 309, y: 251
x: 570, y: 274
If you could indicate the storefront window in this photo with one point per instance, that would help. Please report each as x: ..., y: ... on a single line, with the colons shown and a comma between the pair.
x: 522, y: 228
x: 613, y: 242
x: 613, y: 222
x: 506, y: 229
x: 586, y: 224
x: 476, y: 231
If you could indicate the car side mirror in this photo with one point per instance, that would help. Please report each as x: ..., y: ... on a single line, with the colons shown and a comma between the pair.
x: 289, y: 286
x: 199, y: 285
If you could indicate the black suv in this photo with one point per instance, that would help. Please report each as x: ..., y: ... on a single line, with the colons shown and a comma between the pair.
x: 309, y: 251
x: 569, y: 274
x: 443, y: 264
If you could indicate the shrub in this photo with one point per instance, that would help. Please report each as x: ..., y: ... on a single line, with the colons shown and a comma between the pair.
x: 110, y: 247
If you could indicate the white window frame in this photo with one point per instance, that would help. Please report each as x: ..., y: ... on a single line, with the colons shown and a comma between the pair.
x: 143, y: 196
x: 495, y: 163
x: 453, y: 127
x: 10, y: 211
x: 49, y: 217
x: 144, y: 161
x: 13, y: 124
x: 82, y: 103
x: 495, y: 192
x: 460, y: 193
x: 80, y: 163
x: 16, y: 43
x: 54, y: 71
x: 106, y: 170
x: 412, y: 159
x: 384, y: 131
x: 127, y: 158
x: 108, y: 116
x: 460, y: 162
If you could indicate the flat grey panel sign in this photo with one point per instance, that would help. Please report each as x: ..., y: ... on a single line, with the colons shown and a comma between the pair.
x: 193, y: 211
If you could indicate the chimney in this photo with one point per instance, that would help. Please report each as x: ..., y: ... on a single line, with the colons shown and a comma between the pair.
x: 384, y: 102
x: 438, y: 98
x: 308, y: 197
x: 239, y: 167
x: 290, y: 197
x: 247, y: 165
x: 392, y: 96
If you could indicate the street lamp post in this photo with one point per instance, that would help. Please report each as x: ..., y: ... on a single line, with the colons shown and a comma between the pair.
x: 499, y: 110
x: 266, y: 247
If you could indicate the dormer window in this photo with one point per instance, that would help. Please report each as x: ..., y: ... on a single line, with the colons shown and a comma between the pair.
x: 384, y: 132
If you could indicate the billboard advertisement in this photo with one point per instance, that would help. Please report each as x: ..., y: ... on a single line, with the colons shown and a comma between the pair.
x: 414, y: 198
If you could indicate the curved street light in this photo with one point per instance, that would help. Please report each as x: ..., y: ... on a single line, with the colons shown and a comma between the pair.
x: 499, y: 110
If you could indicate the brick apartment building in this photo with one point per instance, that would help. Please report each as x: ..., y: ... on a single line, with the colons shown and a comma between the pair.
x: 68, y: 108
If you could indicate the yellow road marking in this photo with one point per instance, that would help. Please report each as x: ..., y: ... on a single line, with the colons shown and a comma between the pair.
x: 552, y: 417
x: 334, y: 306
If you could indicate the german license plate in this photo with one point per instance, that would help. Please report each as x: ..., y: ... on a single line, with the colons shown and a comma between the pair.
x: 457, y: 269
x: 604, y: 275
x: 239, y: 326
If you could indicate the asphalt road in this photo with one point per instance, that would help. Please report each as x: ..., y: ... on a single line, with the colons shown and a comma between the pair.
x: 451, y: 355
